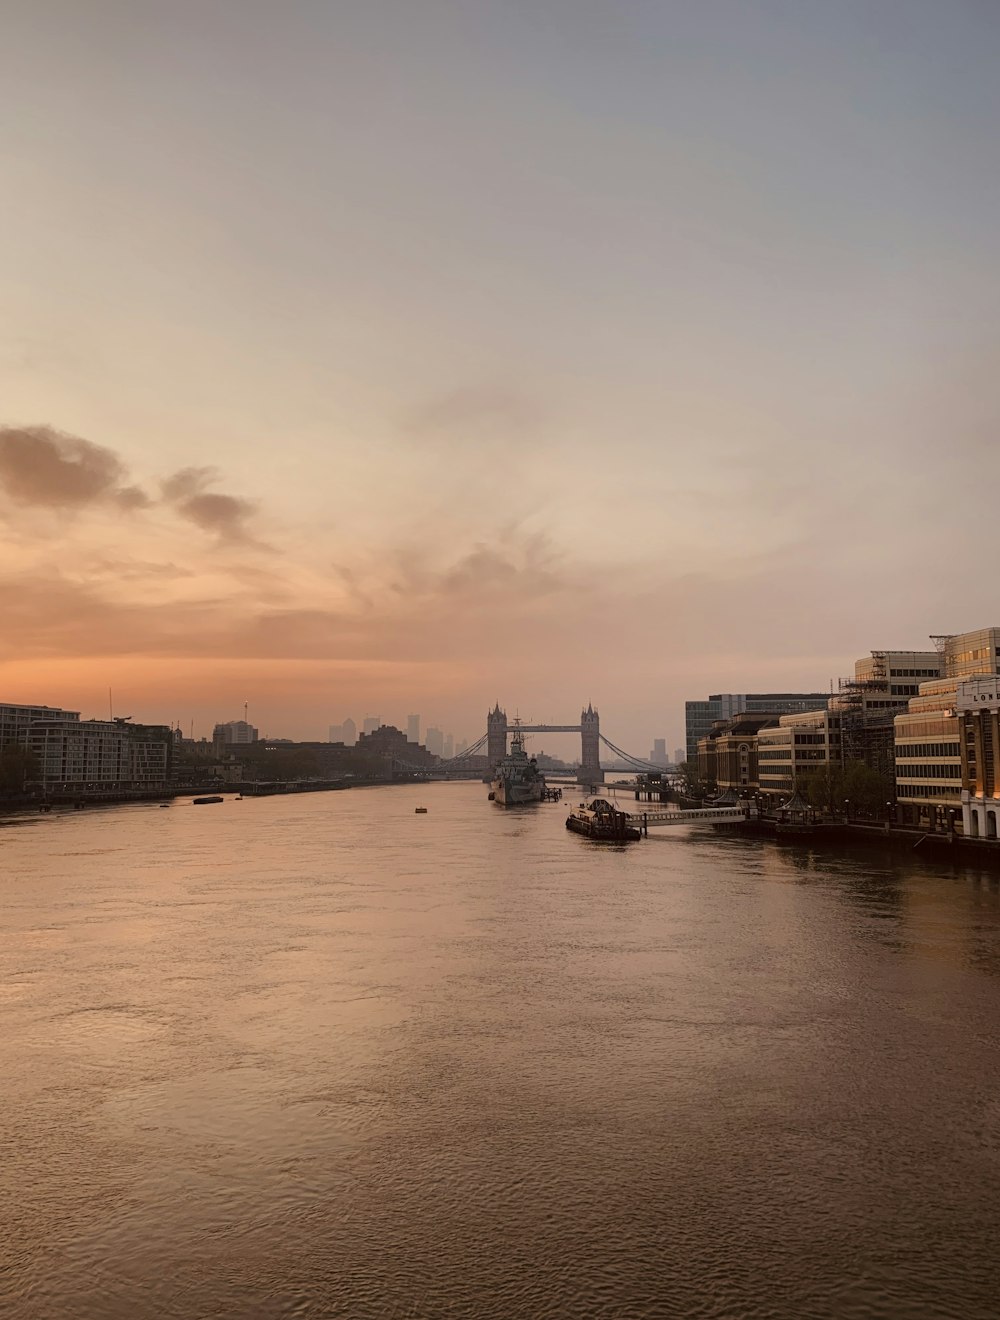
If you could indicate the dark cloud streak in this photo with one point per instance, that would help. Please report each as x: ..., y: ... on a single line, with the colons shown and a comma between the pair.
x: 46, y: 468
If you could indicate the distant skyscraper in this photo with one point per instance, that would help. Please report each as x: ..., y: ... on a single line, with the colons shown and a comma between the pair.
x: 678, y: 755
x: 659, y: 754
x: 449, y: 746
x: 434, y: 741
x: 413, y: 728
x: 461, y: 746
x: 372, y: 722
x: 350, y: 732
x: 336, y: 733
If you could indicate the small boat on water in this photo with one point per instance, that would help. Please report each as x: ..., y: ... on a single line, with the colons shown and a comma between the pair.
x: 420, y: 811
x: 601, y: 820
x: 204, y: 801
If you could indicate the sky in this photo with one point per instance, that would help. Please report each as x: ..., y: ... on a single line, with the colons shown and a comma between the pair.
x: 409, y: 355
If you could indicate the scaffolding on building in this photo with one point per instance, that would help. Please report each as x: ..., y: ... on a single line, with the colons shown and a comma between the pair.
x: 867, y: 735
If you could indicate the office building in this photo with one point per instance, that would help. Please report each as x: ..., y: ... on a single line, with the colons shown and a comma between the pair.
x: 936, y: 774
x: 234, y: 733
x: 927, y: 751
x: 658, y: 756
x: 350, y: 732
x: 461, y: 746
x: 371, y: 723
x: 799, y: 744
x: 699, y: 716
x: 336, y: 733
x: 964, y: 655
x: 15, y: 721
x: 678, y: 755
x: 448, y: 747
x: 977, y: 707
x: 727, y: 757
x: 880, y: 688
x: 434, y: 741
x: 413, y: 728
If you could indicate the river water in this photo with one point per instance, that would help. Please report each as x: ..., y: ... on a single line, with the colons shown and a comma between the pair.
x: 321, y: 1056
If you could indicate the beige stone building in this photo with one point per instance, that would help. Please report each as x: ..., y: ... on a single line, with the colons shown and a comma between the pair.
x: 977, y: 706
x: 798, y: 744
x: 931, y: 770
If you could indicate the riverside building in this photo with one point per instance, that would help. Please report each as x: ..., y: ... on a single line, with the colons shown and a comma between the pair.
x: 16, y: 720
x: 728, y: 756
x: 880, y: 688
x: 799, y: 744
x: 699, y: 716
x: 977, y: 706
x: 80, y: 756
x: 932, y: 773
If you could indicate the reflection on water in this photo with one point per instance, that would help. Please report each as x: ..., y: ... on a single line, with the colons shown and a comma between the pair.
x: 323, y: 1057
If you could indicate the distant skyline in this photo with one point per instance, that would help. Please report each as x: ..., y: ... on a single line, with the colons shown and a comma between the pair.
x: 415, y: 356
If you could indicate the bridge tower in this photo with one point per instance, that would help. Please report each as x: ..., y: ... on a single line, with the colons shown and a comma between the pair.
x: 590, y: 745
x: 496, y: 728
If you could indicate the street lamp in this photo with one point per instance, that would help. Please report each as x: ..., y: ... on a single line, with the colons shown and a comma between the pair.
x: 847, y: 810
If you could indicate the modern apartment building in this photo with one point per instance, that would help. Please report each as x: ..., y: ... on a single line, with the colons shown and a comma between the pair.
x: 15, y: 721
x: 699, y: 716
x: 77, y: 755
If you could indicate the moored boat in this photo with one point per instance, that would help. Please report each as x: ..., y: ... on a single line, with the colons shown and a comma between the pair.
x: 203, y: 801
x: 601, y: 819
x: 517, y: 779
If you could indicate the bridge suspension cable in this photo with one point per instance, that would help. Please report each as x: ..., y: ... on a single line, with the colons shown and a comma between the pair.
x: 474, y: 750
x: 637, y: 761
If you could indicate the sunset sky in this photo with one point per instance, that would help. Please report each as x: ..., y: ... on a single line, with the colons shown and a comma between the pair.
x: 406, y: 355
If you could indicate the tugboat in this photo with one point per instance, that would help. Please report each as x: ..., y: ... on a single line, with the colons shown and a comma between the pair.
x: 517, y: 779
x: 601, y: 819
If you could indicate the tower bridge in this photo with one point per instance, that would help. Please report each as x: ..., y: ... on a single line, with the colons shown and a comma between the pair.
x: 493, y: 744
x: 589, y: 729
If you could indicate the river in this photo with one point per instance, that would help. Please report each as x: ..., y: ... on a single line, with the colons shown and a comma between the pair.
x: 320, y: 1056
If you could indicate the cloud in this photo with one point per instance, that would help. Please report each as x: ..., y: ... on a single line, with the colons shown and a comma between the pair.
x: 224, y: 515
x: 47, y: 468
